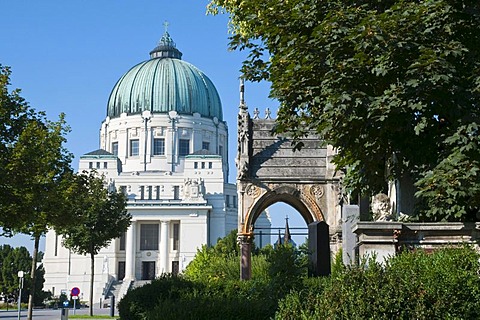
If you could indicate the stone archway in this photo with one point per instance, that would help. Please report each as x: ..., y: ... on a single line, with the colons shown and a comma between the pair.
x: 270, y: 171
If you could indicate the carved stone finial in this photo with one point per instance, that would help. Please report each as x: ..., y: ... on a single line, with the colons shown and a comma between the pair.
x: 256, y: 112
x: 242, y: 94
x: 268, y: 113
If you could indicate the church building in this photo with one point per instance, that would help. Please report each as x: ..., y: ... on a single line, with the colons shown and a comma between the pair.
x: 164, y: 143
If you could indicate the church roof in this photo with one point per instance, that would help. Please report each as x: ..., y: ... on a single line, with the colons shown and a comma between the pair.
x: 165, y: 83
x: 203, y: 153
x: 99, y: 153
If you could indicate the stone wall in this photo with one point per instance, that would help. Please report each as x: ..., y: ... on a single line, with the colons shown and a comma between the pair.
x: 384, y: 239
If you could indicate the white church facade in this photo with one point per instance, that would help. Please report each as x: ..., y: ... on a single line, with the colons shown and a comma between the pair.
x: 164, y: 143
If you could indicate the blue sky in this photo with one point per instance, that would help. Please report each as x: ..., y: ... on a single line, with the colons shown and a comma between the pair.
x: 66, y: 57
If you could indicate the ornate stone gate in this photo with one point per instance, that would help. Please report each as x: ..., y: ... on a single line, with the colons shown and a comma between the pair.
x: 269, y: 171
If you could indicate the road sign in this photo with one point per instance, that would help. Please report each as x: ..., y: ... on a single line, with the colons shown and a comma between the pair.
x: 74, y: 297
x: 74, y: 292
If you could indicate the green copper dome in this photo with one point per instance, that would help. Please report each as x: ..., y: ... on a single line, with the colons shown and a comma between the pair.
x: 165, y: 83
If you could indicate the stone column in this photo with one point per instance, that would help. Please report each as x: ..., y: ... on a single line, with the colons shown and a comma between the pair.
x: 245, y: 241
x: 164, y: 246
x: 131, y: 241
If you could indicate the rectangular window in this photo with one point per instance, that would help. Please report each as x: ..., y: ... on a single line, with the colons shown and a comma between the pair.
x: 98, y: 165
x: 220, y: 150
x: 134, y: 148
x: 227, y: 200
x: 123, y: 189
x: 210, y: 165
x: 176, y: 192
x: 150, y: 189
x: 90, y: 165
x: 195, y: 165
x: 149, y: 237
x: 56, y: 246
x: 159, y: 147
x: 176, y: 236
x: 105, y: 165
x: 183, y: 147
x: 115, y: 148
x: 142, y: 192
x: 203, y: 165
x: 157, y: 196
x: 234, y: 201
x: 205, y: 145
x: 122, y: 241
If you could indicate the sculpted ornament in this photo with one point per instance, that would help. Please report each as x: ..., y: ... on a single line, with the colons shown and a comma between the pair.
x: 253, y: 191
x: 317, y: 191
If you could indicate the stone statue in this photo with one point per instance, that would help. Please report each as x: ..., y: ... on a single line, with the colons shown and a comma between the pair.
x: 105, y: 265
x: 381, y: 208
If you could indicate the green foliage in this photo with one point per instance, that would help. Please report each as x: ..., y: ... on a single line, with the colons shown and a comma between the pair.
x: 443, y: 284
x: 451, y: 190
x: 440, y: 285
x: 286, y: 268
x: 387, y: 83
x: 178, y: 298
x: 33, y: 164
x: 14, y: 116
x: 100, y: 215
x: 211, y: 288
x: 13, y: 260
x: 208, y: 266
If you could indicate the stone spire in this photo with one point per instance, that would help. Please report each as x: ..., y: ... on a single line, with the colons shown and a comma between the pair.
x: 287, y: 236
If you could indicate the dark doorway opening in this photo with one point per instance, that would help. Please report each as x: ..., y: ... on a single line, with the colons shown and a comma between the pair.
x: 175, y: 267
x: 121, y: 270
x: 148, y: 270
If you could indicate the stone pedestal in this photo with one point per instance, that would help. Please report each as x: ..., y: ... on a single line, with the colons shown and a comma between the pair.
x: 384, y: 239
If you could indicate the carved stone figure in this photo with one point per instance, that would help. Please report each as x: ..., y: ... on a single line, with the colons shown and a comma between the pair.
x: 381, y: 208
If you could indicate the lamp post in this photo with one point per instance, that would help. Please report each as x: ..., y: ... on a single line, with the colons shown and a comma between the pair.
x: 20, y: 286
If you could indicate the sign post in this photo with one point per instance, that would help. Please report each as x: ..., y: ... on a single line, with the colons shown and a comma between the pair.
x: 74, y: 293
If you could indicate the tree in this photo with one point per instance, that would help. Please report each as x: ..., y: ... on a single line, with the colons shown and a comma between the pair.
x: 387, y: 83
x: 14, y: 115
x: 13, y: 260
x: 100, y: 214
x: 37, y: 167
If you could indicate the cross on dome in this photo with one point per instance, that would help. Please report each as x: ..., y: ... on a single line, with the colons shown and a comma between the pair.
x: 166, y: 47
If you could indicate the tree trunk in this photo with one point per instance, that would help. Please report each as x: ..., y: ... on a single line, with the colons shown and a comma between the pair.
x: 33, y: 276
x: 92, y: 275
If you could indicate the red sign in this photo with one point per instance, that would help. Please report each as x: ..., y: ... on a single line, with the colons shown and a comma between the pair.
x: 75, y: 292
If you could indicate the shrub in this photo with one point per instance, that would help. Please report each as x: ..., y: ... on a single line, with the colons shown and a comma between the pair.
x: 413, y: 285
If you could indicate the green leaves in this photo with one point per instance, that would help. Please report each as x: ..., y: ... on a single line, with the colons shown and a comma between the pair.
x: 377, y: 80
x: 97, y: 215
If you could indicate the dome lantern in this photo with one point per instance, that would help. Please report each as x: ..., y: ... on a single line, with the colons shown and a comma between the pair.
x: 166, y: 47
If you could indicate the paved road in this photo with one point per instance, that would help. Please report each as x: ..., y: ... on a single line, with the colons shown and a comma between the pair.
x: 47, y: 314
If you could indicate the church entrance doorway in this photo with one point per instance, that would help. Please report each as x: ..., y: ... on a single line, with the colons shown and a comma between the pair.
x: 121, y: 270
x: 148, y: 270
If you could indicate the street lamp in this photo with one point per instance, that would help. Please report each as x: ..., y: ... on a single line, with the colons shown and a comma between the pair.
x: 20, y: 286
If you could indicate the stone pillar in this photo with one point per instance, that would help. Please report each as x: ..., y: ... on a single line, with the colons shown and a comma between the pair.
x: 164, y: 246
x: 245, y: 241
x: 350, y: 218
x: 131, y: 241
x: 319, y: 248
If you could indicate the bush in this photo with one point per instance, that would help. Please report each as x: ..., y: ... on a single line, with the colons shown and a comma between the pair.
x: 413, y: 285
